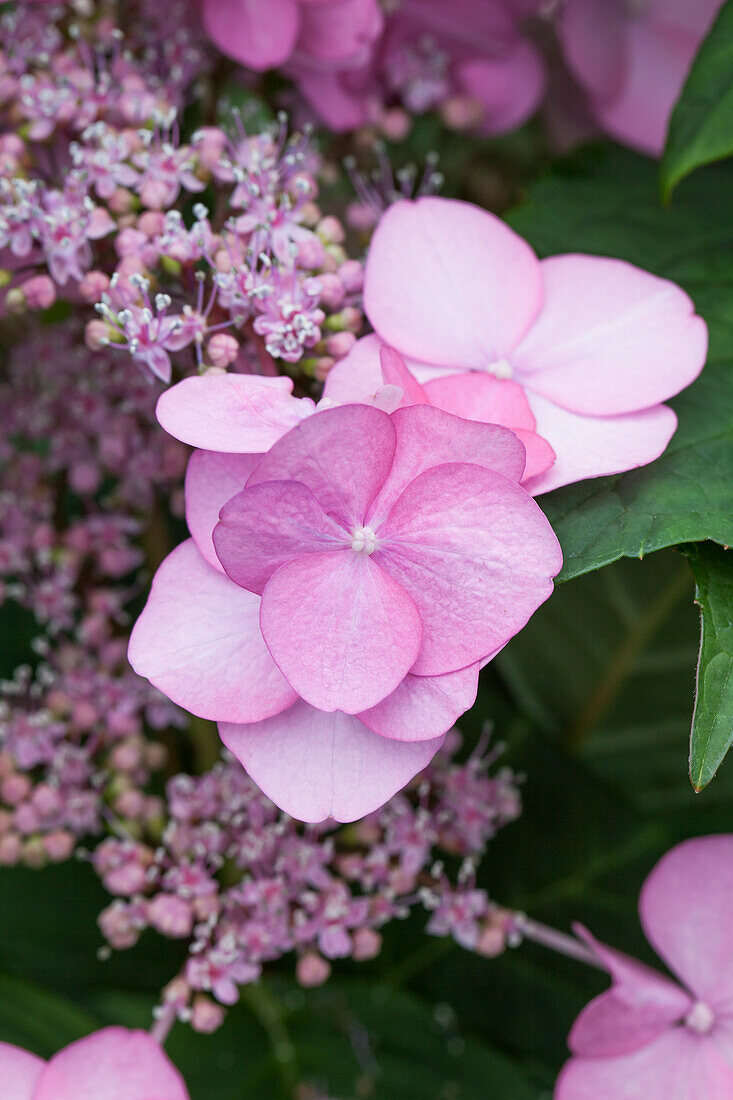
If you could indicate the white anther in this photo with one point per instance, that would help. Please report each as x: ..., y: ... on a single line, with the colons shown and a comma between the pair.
x: 700, y: 1018
x: 363, y: 540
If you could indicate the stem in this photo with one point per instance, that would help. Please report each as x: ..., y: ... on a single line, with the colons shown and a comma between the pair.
x: 161, y: 1028
x: 557, y: 941
x: 271, y: 1017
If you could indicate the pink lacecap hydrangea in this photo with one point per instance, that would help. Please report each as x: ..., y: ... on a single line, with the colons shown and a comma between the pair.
x: 650, y: 1037
x: 595, y: 344
x: 334, y: 619
x: 632, y: 57
x: 112, y: 1064
x: 432, y: 52
x: 263, y: 34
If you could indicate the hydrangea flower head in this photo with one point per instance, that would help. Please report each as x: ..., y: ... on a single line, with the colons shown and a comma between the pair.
x: 112, y: 1064
x: 632, y: 57
x: 337, y: 614
x: 596, y: 344
x: 650, y: 1037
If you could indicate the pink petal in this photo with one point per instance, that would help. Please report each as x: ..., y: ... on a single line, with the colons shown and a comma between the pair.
x: 395, y: 373
x: 677, y: 1066
x: 212, y: 479
x: 610, y: 338
x: 657, y: 61
x: 343, y: 455
x: 509, y: 86
x: 592, y: 35
x: 696, y: 19
x: 339, y: 31
x: 450, y: 284
x: 339, y: 105
x: 259, y: 33
x: 19, y: 1072
x: 685, y: 907
x: 241, y: 413
x: 113, y: 1064
x: 593, y: 446
x: 639, y: 1007
x: 198, y: 640
x: 477, y: 556
x: 316, y: 766
x: 342, y: 631
x: 492, y: 400
x: 428, y: 437
x: 422, y: 707
x: 270, y: 524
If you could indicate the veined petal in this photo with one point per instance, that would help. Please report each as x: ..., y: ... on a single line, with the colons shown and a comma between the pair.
x: 270, y: 524
x: 450, y: 284
x: 19, y: 1072
x: 212, y: 478
x: 343, y: 633
x: 238, y: 413
x: 316, y: 766
x: 477, y: 556
x: 422, y: 707
x: 198, y: 640
x: 342, y: 455
x: 610, y: 338
x: 112, y: 1064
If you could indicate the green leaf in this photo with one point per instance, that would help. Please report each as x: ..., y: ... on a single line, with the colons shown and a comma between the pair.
x: 606, y: 202
x: 701, y: 128
x: 39, y: 1020
x: 712, y: 724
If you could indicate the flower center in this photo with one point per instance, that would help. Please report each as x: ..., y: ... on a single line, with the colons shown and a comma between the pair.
x: 501, y: 368
x: 700, y: 1018
x: 363, y: 540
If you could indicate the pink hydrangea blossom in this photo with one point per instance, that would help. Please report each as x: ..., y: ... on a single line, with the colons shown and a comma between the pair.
x: 596, y: 344
x: 112, y: 1064
x: 650, y: 1037
x: 632, y: 57
x: 263, y: 34
x: 373, y: 562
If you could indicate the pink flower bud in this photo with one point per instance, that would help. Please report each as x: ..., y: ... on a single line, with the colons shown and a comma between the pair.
x: 93, y: 286
x: 332, y: 291
x: 311, y: 253
x: 395, y: 124
x: 222, y: 349
x: 207, y: 1016
x: 97, y: 334
x: 340, y: 344
x: 40, y: 292
x: 58, y: 846
x: 367, y: 944
x: 15, y: 789
x: 121, y: 201
x: 171, y: 915
x: 312, y: 970
x: 462, y: 113
x: 46, y: 800
x: 10, y: 848
x: 209, y: 144
x: 151, y: 223
x: 330, y: 230
x: 351, y: 275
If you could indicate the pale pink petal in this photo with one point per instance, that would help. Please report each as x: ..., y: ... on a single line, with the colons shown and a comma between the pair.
x: 509, y: 86
x: 19, y: 1072
x: 657, y: 61
x: 268, y: 525
x: 422, y: 707
x: 342, y: 631
x: 395, y: 373
x: 339, y: 31
x: 494, y: 401
x: 638, y: 1008
x: 696, y: 19
x: 239, y: 413
x: 450, y: 284
x: 358, y: 376
x: 685, y: 907
x: 198, y: 639
x: 593, y: 446
x: 428, y: 437
x: 610, y: 338
x: 113, y: 1064
x: 343, y: 455
x: 679, y: 1065
x: 316, y: 766
x: 477, y: 556
x: 259, y: 33
x: 212, y: 479
x: 592, y: 35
